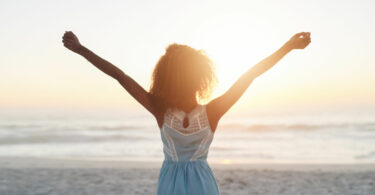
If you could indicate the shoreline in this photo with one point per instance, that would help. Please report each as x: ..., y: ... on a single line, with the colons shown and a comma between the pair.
x: 31, y: 175
x: 63, y: 162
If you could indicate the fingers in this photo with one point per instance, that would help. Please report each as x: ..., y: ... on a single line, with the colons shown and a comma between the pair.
x: 69, y: 34
x: 302, y: 35
x: 306, y: 35
x: 68, y: 45
x: 68, y: 40
x: 305, y: 42
x: 298, y: 35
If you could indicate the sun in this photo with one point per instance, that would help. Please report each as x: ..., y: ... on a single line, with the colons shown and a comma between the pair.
x: 228, y: 69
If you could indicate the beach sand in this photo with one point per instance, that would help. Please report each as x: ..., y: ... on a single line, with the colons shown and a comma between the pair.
x: 68, y: 176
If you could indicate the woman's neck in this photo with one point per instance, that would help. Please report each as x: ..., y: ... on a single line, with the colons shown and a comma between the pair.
x: 188, y: 107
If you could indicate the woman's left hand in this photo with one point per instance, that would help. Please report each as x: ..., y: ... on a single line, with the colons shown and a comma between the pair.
x: 71, y: 41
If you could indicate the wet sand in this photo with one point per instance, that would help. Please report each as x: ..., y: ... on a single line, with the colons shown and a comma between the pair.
x: 68, y: 176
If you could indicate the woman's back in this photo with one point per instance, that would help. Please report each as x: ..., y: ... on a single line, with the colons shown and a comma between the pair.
x: 181, y: 76
x: 185, y: 169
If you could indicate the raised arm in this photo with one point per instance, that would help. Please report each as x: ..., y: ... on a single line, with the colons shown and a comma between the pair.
x: 142, y: 96
x: 219, y: 106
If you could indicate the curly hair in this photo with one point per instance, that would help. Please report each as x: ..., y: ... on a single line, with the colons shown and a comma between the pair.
x: 181, y: 75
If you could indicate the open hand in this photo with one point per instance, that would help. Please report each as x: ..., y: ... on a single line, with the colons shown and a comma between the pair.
x: 300, y: 40
x: 71, y: 41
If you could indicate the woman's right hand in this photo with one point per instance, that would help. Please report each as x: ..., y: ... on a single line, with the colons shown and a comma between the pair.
x: 71, y: 41
x: 299, y: 40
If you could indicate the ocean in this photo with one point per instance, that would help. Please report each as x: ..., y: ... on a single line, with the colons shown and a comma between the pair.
x: 281, y: 138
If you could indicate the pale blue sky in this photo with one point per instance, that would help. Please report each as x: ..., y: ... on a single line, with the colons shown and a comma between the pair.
x: 336, y: 70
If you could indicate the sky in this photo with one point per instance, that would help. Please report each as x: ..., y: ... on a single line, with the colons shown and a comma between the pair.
x: 336, y: 71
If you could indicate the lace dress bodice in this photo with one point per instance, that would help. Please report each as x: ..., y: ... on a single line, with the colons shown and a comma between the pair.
x: 190, y: 143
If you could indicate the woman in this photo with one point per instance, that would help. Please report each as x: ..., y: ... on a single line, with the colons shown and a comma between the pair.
x: 182, y: 77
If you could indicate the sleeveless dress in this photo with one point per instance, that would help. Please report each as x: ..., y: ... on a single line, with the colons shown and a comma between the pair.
x: 185, y: 169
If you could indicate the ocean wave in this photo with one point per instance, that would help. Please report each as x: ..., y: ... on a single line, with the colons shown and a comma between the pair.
x: 47, y: 139
x: 115, y: 128
x: 221, y: 148
x: 235, y: 153
x: 299, y: 126
x: 20, y: 126
x: 239, y: 125
x: 370, y: 155
x: 71, y: 127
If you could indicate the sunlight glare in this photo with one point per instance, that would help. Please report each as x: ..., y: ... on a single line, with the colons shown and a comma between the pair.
x: 227, y: 162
